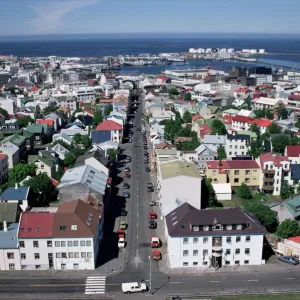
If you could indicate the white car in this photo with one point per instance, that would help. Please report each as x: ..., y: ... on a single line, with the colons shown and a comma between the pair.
x: 133, y: 287
x: 121, y: 243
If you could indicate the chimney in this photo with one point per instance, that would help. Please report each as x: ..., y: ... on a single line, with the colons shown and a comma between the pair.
x: 4, y: 226
x: 16, y: 186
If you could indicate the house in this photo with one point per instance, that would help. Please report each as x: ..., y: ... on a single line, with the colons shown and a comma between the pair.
x: 105, y: 146
x: 204, y: 130
x: 71, y: 131
x: 60, y: 150
x: 222, y: 191
x: 96, y: 159
x: 57, y: 118
x: 35, y: 240
x: 3, y: 168
x: 288, y: 210
x: 45, y: 163
x: 178, y: 182
x: 241, y: 123
x: 189, y: 156
x: 40, y: 133
x: 205, y: 153
x: 214, y: 141
x: 295, y: 175
x: 20, y: 142
x: 265, y: 103
x: 116, y: 118
x: 274, y: 170
x: 236, y: 144
x: 11, y: 124
x: 234, y: 172
x: 62, y: 137
x: 9, y: 250
x: 77, y: 232
x: 213, y: 238
x: 107, y: 131
x: 18, y: 195
x: 289, y: 247
x: 12, y: 152
x: 293, y: 154
x: 79, y: 182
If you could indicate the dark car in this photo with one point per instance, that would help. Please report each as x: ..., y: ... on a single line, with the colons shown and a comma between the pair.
x: 126, y: 186
x: 123, y: 212
x: 152, y: 224
x: 145, y: 147
x: 127, y: 169
x: 128, y: 159
x: 148, y: 169
x: 289, y: 259
x: 126, y: 194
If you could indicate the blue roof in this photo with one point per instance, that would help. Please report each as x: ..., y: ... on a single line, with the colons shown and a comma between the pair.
x: 295, y: 172
x: 8, y: 239
x: 15, y: 193
x: 157, y: 105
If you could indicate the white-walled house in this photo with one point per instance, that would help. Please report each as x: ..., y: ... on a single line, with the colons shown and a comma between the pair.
x: 213, y: 238
x: 237, y: 144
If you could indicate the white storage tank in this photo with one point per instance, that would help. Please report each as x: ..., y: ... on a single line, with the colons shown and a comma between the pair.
x: 230, y: 50
x: 261, y: 51
x: 201, y: 50
x: 192, y: 50
x: 208, y: 50
x: 253, y: 51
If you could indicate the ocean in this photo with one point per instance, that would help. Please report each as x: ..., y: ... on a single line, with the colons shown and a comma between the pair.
x: 133, y: 44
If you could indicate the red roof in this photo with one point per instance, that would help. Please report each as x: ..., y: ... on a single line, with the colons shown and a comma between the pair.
x: 36, y: 225
x: 232, y: 164
x: 3, y: 156
x: 49, y: 122
x: 109, y: 125
x: 197, y: 117
x: 276, y: 159
x: 204, y: 130
x: 293, y: 151
x: 242, y: 90
x: 54, y: 182
x: 227, y: 119
x: 294, y: 97
x: 262, y: 122
x: 90, y: 111
x: 34, y: 89
x: 295, y: 239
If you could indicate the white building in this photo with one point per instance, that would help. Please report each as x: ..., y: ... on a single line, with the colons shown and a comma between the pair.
x: 85, y: 93
x: 213, y: 238
x: 267, y: 103
x: 9, y: 105
x: 237, y: 144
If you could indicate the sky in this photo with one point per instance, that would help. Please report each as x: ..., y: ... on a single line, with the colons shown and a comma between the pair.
x: 28, y: 17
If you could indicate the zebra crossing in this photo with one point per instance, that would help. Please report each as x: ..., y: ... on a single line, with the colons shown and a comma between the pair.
x: 95, y: 285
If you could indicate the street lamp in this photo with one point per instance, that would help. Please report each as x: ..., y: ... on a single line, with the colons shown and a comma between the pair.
x: 150, y: 279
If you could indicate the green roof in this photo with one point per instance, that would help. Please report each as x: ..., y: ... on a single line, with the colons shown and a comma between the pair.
x: 213, y: 109
x: 178, y: 168
x: 45, y: 158
x: 37, y: 128
x: 9, y: 212
x: 293, y: 206
x: 15, y: 139
x: 252, y: 135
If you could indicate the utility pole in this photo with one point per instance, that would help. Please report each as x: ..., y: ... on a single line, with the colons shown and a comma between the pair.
x: 150, y: 275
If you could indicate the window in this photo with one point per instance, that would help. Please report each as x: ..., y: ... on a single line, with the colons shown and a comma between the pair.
x: 247, y: 251
x: 23, y: 255
x: 29, y: 229
x: 237, y: 251
x: 37, y: 267
x: 185, y: 264
x: 185, y: 252
x: 76, y: 266
x: 228, y: 227
x: 228, y: 240
x: 239, y: 227
x: 49, y: 243
x: 246, y: 262
x: 217, y: 227
x: 23, y: 267
x: 228, y: 251
x: 89, y: 255
x: 57, y: 244
x: 204, y: 263
x: 42, y: 166
x: 38, y: 229
x: 205, y: 240
x: 247, y: 172
x: 82, y: 243
x: 236, y: 172
x: 248, y: 238
x: 227, y: 262
x: 71, y: 254
x: 236, y: 180
x: 195, y: 252
x: 58, y: 255
x: 74, y: 227
x: 10, y: 255
x: 205, y: 228
x: 195, y: 263
x: 214, y: 172
x: 185, y: 240
x: 195, y: 228
x: 62, y: 227
x: 70, y: 244
x: 11, y: 266
x: 238, y: 239
x: 36, y: 256
x: 88, y: 243
x: 236, y: 262
x: 195, y: 240
x: 75, y: 243
x: 63, y: 244
x: 205, y: 252
x: 76, y: 254
x: 63, y: 266
x: 83, y: 255
x: 247, y: 180
x: 35, y: 244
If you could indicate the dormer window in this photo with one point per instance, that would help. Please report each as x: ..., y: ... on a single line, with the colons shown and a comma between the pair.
x: 195, y: 228
x: 217, y: 227
x: 228, y: 227
x: 206, y: 228
x: 298, y: 208
x: 239, y: 227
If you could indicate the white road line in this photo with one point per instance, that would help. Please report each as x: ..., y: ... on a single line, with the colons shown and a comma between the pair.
x: 95, y: 285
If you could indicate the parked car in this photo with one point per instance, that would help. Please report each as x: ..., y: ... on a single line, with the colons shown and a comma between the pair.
x: 121, y: 233
x: 155, y: 242
x: 289, y: 259
x: 126, y: 194
x: 128, y: 159
x: 126, y: 186
x: 127, y: 169
x: 152, y: 202
x: 121, y: 243
x: 152, y: 215
x: 145, y: 147
x: 123, y: 225
x: 133, y: 287
x: 148, y: 169
x: 123, y: 212
x: 152, y: 224
x: 156, y: 255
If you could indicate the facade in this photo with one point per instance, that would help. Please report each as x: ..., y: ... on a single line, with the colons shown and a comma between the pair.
x: 85, y: 93
x: 265, y: 103
x: 3, y: 168
x: 204, y: 154
x: 242, y: 123
x: 107, y: 131
x: 12, y: 152
x: 236, y: 144
x: 44, y: 164
x: 213, y: 238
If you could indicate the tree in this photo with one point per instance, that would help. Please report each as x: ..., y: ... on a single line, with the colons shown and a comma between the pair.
x: 23, y: 122
x: 4, y: 113
x: 173, y: 91
x: 108, y: 109
x: 218, y: 127
x: 256, y: 148
x: 282, y: 113
x: 20, y: 172
x: 112, y: 154
x: 254, y: 128
x: 274, y: 128
x: 184, y: 132
x: 297, y: 124
x: 288, y: 228
x: 264, y: 213
x: 269, y: 114
x: 59, y: 173
x: 77, y: 138
x: 48, y: 110
x: 86, y: 142
x: 244, y: 192
x: 279, y: 143
x: 98, y: 118
x: 70, y: 159
x: 286, y: 191
x: 221, y: 153
x: 208, y: 194
x: 187, y: 117
x: 188, y: 96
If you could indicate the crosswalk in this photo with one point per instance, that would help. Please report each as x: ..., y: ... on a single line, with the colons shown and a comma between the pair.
x: 95, y: 285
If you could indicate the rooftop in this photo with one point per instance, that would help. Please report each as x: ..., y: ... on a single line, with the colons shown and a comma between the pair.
x: 178, y: 168
x: 293, y: 151
x: 8, y: 239
x: 109, y: 125
x: 271, y: 157
x: 12, y: 193
x: 232, y: 164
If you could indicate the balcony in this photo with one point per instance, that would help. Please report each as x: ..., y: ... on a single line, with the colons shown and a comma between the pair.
x: 268, y: 187
x: 267, y: 171
x: 269, y: 179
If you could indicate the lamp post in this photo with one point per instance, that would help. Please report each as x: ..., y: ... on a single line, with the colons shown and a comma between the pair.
x: 150, y: 275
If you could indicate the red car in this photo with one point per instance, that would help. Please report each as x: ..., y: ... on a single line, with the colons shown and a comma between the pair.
x: 156, y: 255
x: 153, y: 215
x: 121, y: 234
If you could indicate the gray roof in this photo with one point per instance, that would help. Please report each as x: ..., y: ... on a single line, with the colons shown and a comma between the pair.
x: 12, y: 193
x: 182, y: 219
x: 98, y: 155
x: 295, y: 172
x: 9, y: 212
x: 214, y: 139
x: 8, y: 239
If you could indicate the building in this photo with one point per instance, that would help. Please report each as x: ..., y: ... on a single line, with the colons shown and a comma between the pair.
x: 241, y: 123
x: 3, y: 168
x: 274, y: 170
x: 265, y: 103
x: 213, y: 238
x: 237, y: 144
x: 18, y: 195
x: 77, y: 232
x: 293, y: 153
x: 85, y: 93
x: 44, y: 162
x: 214, y: 141
x: 12, y: 152
x: 234, y: 172
x: 107, y: 131
x: 178, y: 182
x: 20, y: 142
x: 35, y: 240
x: 204, y: 154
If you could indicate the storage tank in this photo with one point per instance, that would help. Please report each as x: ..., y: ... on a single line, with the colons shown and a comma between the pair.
x: 253, y: 51
x: 230, y: 50
x: 208, y: 50
x: 192, y: 50
x: 261, y: 51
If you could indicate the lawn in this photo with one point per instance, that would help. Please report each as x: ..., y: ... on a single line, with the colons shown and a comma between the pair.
x: 265, y: 297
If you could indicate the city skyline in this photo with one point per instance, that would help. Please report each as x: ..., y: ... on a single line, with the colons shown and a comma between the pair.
x: 45, y: 17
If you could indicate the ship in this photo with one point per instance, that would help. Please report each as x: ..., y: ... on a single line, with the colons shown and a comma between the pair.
x: 135, y: 63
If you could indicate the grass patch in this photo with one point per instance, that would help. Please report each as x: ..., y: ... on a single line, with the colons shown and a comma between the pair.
x: 230, y: 203
x: 264, y: 297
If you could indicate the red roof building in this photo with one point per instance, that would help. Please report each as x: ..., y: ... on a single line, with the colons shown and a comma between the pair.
x: 204, y: 130
x: 2, y: 156
x: 295, y: 239
x: 292, y: 151
x: 241, y: 121
x: 109, y: 125
x: 36, y: 225
x: 49, y: 122
x: 242, y: 90
x: 232, y: 164
x: 277, y: 160
x: 197, y: 117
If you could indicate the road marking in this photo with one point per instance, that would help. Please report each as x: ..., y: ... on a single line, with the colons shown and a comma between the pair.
x: 175, y: 282
x: 252, y: 280
x: 95, y: 285
x: 290, y: 278
x: 214, y: 281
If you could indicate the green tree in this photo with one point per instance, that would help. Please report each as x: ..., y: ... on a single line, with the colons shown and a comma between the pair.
x: 98, y: 118
x: 173, y: 91
x: 184, y: 132
x: 256, y: 148
x: 279, y: 143
x: 244, y: 192
x: 4, y: 113
x: 208, y: 194
x: 286, y: 191
x: 297, y: 124
x: 50, y: 109
x: 77, y: 138
x: 59, y: 173
x: 254, y: 128
x: 259, y: 113
x: 86, y: 142
x: 274, y: 128
x: 108, y: 109
x: 218, y: 127
x: 23, y: 122
x: 20, y: 172
x: 112, y: 154
x: 264, y: 213
x: 221, y: 153
x: 70, y: 159
x: 171, y: 129
x: 282, y: 113
x: 288, y: 228
x: 269, y: 114
x: 187, y: 117
x: 188, y: 96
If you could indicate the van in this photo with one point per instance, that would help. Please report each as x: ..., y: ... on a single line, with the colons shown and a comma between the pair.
x: 133, y: 287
